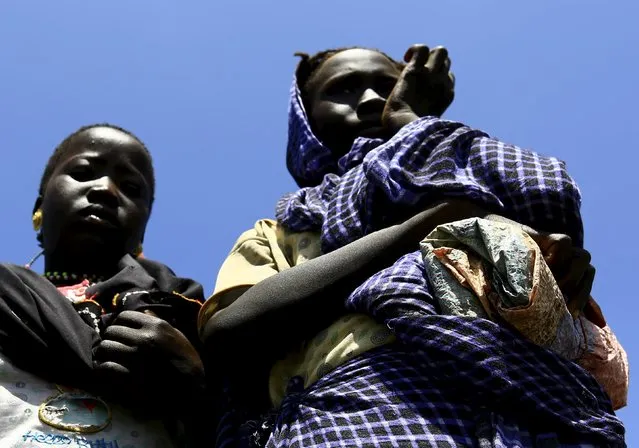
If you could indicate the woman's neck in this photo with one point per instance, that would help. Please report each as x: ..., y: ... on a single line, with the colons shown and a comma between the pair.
x: 77, y: 266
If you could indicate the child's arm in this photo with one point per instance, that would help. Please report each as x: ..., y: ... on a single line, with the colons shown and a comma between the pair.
x: 296, y: 303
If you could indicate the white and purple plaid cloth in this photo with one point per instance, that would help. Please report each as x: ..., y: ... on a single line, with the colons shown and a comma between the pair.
x: 448, y: 381
x: 377, y: 182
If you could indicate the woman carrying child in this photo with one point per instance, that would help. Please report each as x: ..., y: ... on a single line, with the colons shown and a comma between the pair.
x: 327, y: 315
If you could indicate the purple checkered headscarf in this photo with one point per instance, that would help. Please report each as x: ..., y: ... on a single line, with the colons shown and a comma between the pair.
x: 449, y: 381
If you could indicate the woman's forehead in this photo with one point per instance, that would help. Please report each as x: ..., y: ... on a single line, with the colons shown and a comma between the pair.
x: 107, y: 134
x: 355, y: 60
x: 110, y: 144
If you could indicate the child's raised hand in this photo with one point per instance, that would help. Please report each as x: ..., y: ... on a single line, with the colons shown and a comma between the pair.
x: 436, y: 83
x: 144, y: 353
x: 425, y: 87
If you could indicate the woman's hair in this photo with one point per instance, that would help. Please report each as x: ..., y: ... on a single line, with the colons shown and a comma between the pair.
x: 309, y: 64
x: 63, y: 149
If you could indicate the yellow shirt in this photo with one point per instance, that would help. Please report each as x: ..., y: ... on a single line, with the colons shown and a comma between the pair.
x: 266, y: 250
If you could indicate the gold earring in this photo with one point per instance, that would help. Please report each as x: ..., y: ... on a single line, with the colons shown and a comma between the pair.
x: 37, y: 220
x: 138, y: 252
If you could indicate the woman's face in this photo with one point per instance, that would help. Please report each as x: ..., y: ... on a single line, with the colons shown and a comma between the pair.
x: 347, y: 95
x: 98, y: 198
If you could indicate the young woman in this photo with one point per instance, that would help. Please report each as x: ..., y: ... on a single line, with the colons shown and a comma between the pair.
x: 101, y: 349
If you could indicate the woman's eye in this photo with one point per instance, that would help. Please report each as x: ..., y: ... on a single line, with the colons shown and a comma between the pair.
x: 82, y: 173
x: 385, y: 86
x: 345, y: 86
x: 131, y: 188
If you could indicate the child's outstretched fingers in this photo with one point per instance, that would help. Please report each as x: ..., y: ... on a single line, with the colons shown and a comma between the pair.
x: 440, y: 80
x: 438, y: 61
x: 417, y: 55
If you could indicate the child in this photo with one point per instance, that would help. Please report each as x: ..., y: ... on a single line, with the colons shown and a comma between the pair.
x: 356, y: 381
x: 99, y: 350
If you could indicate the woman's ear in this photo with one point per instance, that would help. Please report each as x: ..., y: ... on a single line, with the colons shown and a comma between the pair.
x: 37, y: 205
x: 36, y: 219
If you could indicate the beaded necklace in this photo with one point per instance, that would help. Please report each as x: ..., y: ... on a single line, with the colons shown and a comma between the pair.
x: 66, y: 276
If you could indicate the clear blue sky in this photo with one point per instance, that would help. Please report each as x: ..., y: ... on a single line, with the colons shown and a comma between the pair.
x: 205, y: 85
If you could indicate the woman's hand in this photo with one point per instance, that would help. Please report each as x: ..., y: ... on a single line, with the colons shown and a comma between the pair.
x: 148, y: 358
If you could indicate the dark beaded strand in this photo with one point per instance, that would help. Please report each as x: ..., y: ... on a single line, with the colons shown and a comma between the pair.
x: 66, y: 276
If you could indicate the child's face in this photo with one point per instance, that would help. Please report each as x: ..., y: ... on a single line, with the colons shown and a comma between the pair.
x: 99, y: 195
x: 347, y: 95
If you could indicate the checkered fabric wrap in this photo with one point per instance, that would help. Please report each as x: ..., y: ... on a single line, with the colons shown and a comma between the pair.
x: 427, y: 161
x: 448, y: 381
